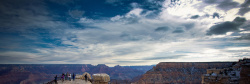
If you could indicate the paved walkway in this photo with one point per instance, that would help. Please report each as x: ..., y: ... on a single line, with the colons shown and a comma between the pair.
x: 77, y: 81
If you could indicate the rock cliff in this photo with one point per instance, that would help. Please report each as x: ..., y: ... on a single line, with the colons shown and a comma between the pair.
x: 179, y: 72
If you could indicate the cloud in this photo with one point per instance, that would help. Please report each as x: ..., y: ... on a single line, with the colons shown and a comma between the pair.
x: 244, y: 7
x: 76, y: 13
x: 227, y: 5
x: 189, y: 25
x: 225, y: 27
x: 223, y: 4
x: 17, y: 15
x: 163, y: 57
x: 132, y: 33
x: 17, y: 57
x: 165, y: 28
x: 244, y: 37
x: 130, y: 61
x: 210, y: 1
x: 179, y: 30
x: 243, y: 10
x: 216, y: 15
x: 239, y: 20
x: 86, y: 20
x: 194, y: 17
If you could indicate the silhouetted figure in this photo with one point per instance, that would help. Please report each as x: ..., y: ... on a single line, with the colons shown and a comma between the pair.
x: 73, y: 76
x: 62, y: 77
x: 86, y: 79
x: 66, y: 76
x: 56, y: 79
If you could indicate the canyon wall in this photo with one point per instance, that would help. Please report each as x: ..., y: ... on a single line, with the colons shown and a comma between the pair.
x: 179, y: 72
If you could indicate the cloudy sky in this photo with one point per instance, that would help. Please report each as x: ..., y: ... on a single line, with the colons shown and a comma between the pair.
x: 124, y: 32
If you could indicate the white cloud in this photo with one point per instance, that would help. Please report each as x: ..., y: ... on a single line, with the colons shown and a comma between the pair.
x: 239, y: 1
x: 134, y: 12
x: 86, y: 20
x: 247, y: 15
x: 183, y: 8
x: 116, y: 18
x: 231, y: 14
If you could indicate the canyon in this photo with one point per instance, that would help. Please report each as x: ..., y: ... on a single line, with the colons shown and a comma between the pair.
x: 163, y: 72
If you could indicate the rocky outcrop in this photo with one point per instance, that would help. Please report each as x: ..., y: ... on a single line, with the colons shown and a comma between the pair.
x: 179, y: 72
x: 238, y: 73
x: 244, y: 65
x: 245, y: 74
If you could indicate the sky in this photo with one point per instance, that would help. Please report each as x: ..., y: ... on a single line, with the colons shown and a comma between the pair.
x: 123, y: 32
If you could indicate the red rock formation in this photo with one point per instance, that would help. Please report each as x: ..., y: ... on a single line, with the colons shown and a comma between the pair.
x: 179, y: 72
x: 245, y: 74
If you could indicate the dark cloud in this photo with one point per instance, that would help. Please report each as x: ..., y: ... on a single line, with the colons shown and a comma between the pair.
x: 188, y: 25
x: 239, y: 20
x: 165, y: 28
x: 128, y: 37
x: 216, y: 15
x: 21, y: 14
x: 244, y: 37
x: 227, y: 5
x: 246, y: 26
x: 243, y: 10
x: 246, y: 3
x: 225, y: 27
x: 6, y: 59
x: 178, y: 30
x: 17, y: 58
x: 244, y: 7
x: 194, y: 17
x: 223, y: 4
x: 210, y: 1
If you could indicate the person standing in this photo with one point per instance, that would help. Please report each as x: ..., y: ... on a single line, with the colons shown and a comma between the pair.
x: 73, y: 76
x: 55, y: 79
x: 86, y: 77
x: 66, y: 76
x: 69, y: 77
x: 62, y: 77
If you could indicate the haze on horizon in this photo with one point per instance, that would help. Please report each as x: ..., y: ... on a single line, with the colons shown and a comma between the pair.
x: 124, y: 32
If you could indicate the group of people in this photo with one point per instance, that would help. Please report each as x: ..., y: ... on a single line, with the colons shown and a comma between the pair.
x: 65, y: 76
